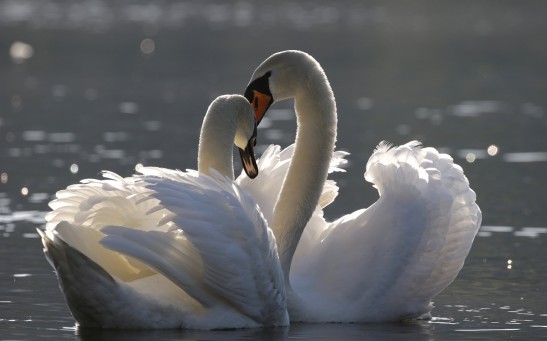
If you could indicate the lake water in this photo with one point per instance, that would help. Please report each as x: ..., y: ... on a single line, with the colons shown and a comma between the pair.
x: 87, y: 86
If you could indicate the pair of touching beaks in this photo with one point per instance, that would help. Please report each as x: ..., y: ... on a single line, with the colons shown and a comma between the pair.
x: 259, y: 95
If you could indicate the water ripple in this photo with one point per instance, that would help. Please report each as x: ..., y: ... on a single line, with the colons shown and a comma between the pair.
x: 101, y: 16
x: 525, y: 157
x: 29, y: 216
x: 530, y: 232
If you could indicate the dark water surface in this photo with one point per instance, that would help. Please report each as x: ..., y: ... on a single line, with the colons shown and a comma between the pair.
x: 87, y: 86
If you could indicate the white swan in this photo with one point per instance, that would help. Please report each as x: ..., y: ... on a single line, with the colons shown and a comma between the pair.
x: 382, y: 263
x: 193, y: 250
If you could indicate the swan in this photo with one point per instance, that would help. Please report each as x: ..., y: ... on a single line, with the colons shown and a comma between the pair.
x: 381, y: 263
x: 171, y: 249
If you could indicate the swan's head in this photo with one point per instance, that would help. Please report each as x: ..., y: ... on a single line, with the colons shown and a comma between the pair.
x: 245, y: 137
x: 232, y: 114
x: 283, y: 75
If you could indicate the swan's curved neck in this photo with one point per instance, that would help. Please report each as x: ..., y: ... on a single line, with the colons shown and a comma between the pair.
x: 315, y: 139
x: 216, y: 143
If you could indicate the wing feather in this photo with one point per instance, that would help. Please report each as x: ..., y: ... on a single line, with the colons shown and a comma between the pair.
x: 229, y: 235
x: 404, y: 249
x: 273, y: 166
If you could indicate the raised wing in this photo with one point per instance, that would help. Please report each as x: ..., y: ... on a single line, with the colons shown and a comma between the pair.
x: 396, y: 255
x: 220, y: 248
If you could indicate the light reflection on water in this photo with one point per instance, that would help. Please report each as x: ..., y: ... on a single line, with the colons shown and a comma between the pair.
x: 525, y: 157
x: 442, y: 74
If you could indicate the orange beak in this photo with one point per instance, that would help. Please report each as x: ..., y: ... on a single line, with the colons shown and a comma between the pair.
x: 261, y: 102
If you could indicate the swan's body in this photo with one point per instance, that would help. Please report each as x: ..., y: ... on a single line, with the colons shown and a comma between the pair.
x: 383, y: 263
x: 170, y: 249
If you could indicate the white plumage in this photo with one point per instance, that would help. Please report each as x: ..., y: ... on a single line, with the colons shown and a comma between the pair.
x: 399, y: 253
x: 382, y: 263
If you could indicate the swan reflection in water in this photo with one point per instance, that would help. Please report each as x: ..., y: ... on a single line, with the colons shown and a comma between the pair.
x: 420, y: 331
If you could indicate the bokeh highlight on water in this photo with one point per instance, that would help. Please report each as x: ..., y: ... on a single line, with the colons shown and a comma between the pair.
x: 92, y: 85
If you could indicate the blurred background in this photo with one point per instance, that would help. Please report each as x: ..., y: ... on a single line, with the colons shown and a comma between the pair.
x: 94, y: 85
